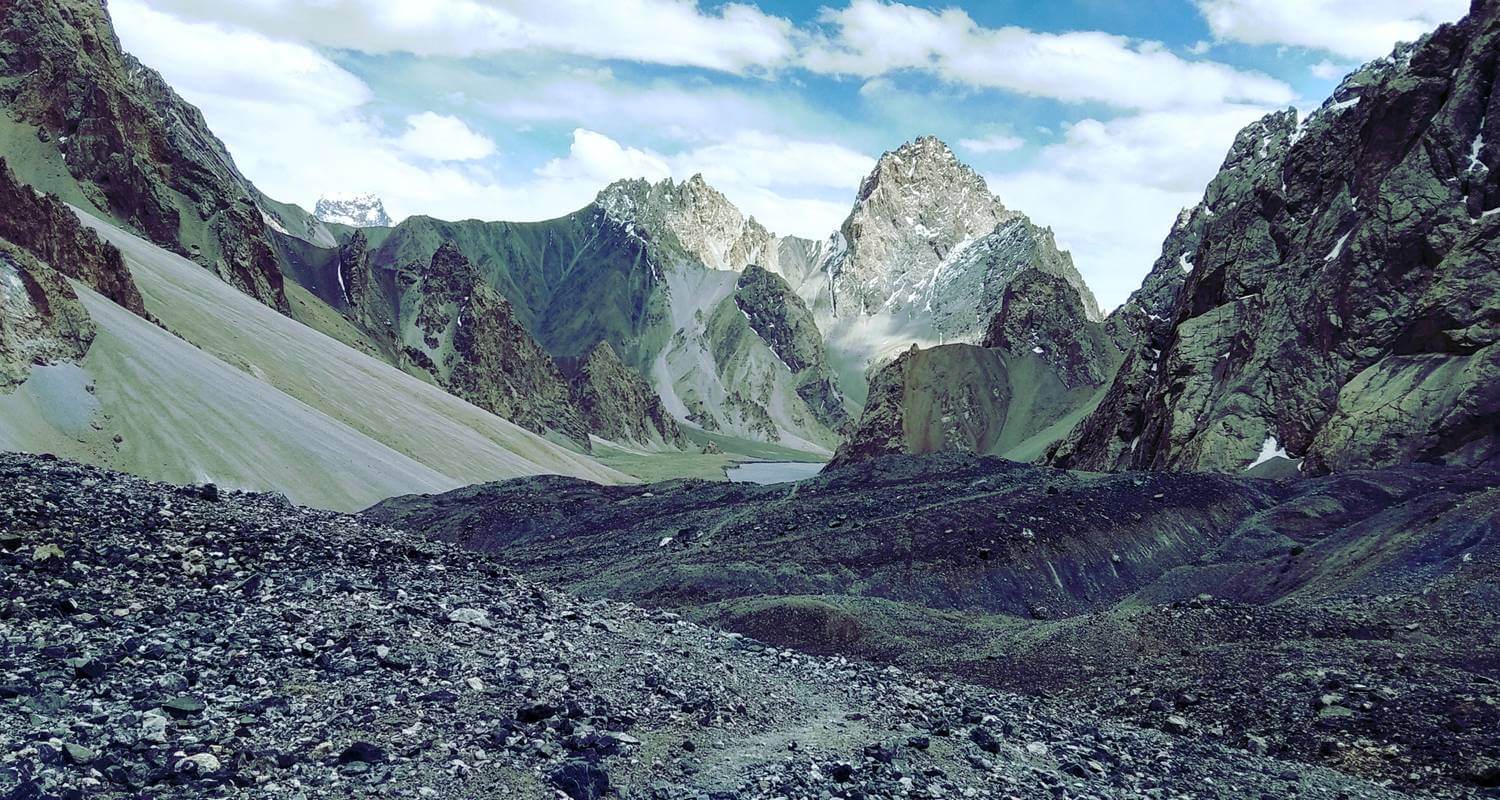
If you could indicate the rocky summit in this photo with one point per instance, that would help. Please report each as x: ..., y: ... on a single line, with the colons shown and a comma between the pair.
x: 191, y: 642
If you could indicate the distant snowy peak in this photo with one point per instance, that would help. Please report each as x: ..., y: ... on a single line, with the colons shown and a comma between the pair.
x: 689, y: 220
x: 356, y: 210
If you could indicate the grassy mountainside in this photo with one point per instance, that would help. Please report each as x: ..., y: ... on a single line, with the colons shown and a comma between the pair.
x: 254, y: 399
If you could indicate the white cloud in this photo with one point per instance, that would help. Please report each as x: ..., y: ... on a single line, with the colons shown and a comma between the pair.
x: 443, y: 138
x: 598, y: 160
x: 1355, y: 29
x: 874, y: 37
x: 1329, y: 71
x: 1111, y: 188
x: 1168, y: 150
x: 994, y: 143
x: 735, y: 38
x: 792, y: 187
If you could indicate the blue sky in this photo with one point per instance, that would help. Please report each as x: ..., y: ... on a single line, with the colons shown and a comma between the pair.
x: 1099, y: 118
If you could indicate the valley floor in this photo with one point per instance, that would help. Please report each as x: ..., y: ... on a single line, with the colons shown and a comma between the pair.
x: 1349, y: 622
x: 185, y: 642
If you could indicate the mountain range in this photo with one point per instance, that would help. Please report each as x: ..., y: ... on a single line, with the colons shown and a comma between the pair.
x: 1235, y: 538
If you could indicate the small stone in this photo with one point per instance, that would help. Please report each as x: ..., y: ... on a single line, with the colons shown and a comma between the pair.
x: 154, y: 728
x: 77, y: 753
x: 1176, y: 724
x: 580, y: 780
x: 477, y: 617
x: 198, y: 764
x: 475, y: 684
x: 45, y: 552
x: 986, y: 740
x: 362, y: 752
x: 184, y: 706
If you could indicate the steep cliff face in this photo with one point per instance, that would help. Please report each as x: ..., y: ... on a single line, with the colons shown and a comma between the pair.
x: 1042, y: 313
x: 619, y: 405
x: 926, y: 239
x: 41, y: 319
x: 781, y: 319
x: 1343, y: 306
x: 44, y: 227
x: 136, y: 150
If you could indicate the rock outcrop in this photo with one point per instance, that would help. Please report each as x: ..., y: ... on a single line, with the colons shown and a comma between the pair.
x: 1041, y: 363
x: 618, y: 404
x: 47, y: 229
x: 781, y: 319
x: 441, y: 319
x: 1343, y: 307
x: 954, y: 397
x: 41, y: 319
x: 136, y: 150
x: 1042, y: 313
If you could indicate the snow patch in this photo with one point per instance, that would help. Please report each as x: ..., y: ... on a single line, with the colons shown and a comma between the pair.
x: 1338, y: 248
x: 1269, y: 450
x: 1182, y: 261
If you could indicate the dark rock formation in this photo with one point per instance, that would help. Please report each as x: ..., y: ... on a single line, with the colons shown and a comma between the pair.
x: 1343, y: 305
x: 43, y: 226
x: 618, y: 404
x: 1043, y: 313
x: 953, y: 397
x: 41, y: 319
x: 782, y: 319
x: 137, y: 150
x: 468, y: 335
x: 1042, y: 360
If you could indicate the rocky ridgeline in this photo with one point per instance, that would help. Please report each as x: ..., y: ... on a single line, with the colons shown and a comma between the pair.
x: 137, y: 150
x: 1334, y: 296
x: 689, y: 221
x: 188, y: 642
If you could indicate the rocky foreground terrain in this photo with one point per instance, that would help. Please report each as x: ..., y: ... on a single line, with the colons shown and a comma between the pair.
x: 1349, y: 622
x: 187, y: 642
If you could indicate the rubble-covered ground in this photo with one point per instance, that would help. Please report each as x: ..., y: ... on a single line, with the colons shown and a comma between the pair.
x: 158, y: 641
x: 1349, y: 622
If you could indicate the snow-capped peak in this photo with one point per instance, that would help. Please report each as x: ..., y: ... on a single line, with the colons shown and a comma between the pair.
x: 363, y: 210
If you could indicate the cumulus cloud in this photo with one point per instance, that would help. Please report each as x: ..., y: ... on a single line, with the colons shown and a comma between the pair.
x: 735, y: 38
x: 994, y: 143
x: 1356, y: 29
x: 443, y: 138
x: 1329, y: 71
x: 1111, y: 188
x: 793, y: 187
x: 869, y: 38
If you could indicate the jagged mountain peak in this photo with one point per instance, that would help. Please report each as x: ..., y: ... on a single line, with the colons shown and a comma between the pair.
x: 688, y: 220
x: 926, y: 239
x: 358, y: 210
